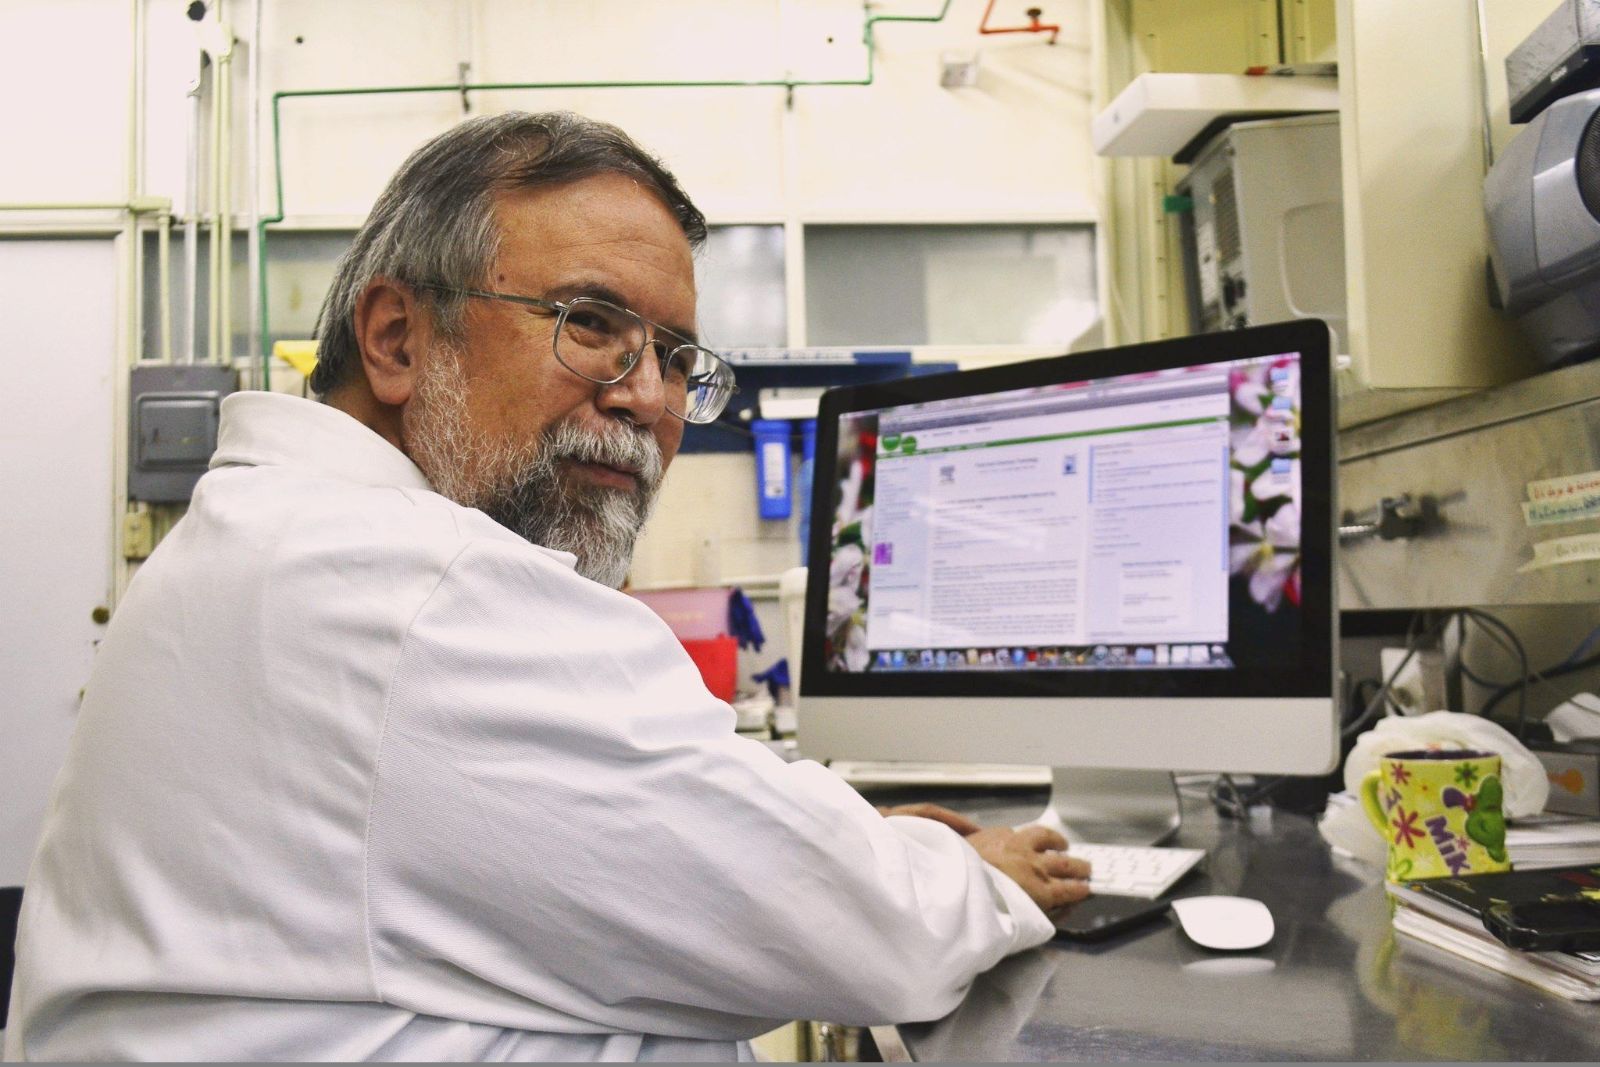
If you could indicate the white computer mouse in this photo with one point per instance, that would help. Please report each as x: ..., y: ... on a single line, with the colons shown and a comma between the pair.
x: 1225, y: 923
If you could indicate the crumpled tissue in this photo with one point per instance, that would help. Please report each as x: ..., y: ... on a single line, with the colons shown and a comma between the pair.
x: 1576, y: 717
x: 1345, y: 825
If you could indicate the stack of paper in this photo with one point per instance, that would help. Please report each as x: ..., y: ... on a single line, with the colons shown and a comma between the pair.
x: 1574, y: 981
x: 1553, y: 841
x: 1448, y: 913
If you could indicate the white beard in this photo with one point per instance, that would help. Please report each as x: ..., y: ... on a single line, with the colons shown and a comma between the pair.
x: 522, y: 485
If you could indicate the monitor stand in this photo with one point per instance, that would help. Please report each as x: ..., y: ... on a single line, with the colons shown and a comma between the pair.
x: 1112, y: 807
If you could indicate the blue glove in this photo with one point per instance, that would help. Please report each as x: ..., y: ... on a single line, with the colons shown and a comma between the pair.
x: 776, y: 677
x: 742, y: 622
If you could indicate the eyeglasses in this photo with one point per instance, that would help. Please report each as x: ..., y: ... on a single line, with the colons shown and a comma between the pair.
x: 602, y: 342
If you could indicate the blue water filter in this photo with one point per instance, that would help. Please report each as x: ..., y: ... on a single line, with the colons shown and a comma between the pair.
x: 808, y: 461
x: 774, y: 494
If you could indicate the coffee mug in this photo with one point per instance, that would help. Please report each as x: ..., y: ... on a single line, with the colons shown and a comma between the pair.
x: 1439, y: 811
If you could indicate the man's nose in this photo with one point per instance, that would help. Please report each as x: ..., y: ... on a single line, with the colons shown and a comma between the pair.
x: 640, y: 397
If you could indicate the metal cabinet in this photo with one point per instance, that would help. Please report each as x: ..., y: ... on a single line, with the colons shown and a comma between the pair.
x: 1433, y: 499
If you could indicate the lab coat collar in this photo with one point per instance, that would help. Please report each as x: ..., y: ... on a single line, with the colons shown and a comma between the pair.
x: 261, y: 429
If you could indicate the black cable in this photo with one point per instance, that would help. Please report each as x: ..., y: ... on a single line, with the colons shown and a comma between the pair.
x: 1559, y: 671
x: 1238, y: 801
x: 1368, y: 713
x: 1233, y: 801
x: 1487, y: 683
x: 1231, y: 806
x: 1414, y: 644
x: 1358, y: 698
x: 1522, y: 682
x: 1490, y: 624
x: 1461, y: 653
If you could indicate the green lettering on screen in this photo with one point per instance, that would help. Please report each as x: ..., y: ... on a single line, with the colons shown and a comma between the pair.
x: 910, y: 442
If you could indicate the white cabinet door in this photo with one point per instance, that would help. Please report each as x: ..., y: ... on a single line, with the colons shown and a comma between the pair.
x: 58, y: 361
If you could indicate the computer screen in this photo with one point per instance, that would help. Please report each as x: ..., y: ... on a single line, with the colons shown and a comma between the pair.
x: 1118, y: 559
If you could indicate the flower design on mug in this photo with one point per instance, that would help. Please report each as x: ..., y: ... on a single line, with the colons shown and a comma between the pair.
x: 1406, y: 830
x: 1398, y: 772
x: 1466, y: 775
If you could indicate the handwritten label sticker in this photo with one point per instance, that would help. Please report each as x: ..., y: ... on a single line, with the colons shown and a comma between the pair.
x: 1570, y: 498
x: 1558, y: 550
x: 1562, y: 509
x: 1569, y: 485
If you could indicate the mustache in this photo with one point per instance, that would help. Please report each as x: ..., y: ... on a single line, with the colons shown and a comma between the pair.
x: 623, y: 446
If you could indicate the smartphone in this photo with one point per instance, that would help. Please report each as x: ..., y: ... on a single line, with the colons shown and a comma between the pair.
x: 1571, y: 925
x: 1104, y: 915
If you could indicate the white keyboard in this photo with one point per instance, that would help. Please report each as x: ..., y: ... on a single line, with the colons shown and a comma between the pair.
x: 1135, y: 870
x: 905, y: 772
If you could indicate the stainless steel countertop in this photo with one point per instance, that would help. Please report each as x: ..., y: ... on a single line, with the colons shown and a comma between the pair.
x: 1336, y: 982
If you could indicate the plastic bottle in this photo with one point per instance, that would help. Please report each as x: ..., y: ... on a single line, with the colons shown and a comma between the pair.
x: 808, y: 460
x: 774, y: 494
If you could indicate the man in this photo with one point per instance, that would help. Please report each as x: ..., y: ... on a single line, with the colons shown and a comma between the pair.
x: 376, y: 763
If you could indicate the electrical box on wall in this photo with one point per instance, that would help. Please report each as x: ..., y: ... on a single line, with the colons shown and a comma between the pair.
x: 172, y: 426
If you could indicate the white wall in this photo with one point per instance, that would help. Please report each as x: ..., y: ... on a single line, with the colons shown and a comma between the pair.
x: 903, y: 148
x: 64, y: 83
x: 1015, y: 146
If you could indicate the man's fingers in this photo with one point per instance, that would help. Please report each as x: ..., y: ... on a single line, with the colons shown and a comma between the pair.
x: 1061, y: 865
x: 1041, y: 838
x: 1063, y: 891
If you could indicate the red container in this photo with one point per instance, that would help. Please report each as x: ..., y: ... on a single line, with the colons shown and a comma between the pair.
x: 718, y: 660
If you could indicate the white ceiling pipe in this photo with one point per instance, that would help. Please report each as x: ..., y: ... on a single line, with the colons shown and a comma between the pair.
x: 213, y: 215
x: 191, y: 222
x: 164, y: 283
x: 223, y: 102
x: 134, y: 322
x: 253, y: 163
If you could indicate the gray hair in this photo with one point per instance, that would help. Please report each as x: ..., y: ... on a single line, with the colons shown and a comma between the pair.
x: 434, y: 224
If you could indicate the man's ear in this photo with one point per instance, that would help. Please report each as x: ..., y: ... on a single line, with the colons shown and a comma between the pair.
x: 393, y: 334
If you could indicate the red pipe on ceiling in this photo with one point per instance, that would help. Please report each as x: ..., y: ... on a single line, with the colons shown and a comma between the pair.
x: 1035, y: 26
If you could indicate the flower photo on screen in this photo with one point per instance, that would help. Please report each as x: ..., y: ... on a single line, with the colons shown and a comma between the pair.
x: 850, y: 565
x: 1264, y: 481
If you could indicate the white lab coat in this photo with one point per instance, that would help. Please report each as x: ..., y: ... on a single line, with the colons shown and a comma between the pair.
x: 361, y: 774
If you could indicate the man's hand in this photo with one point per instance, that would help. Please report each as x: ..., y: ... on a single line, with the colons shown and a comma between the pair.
x: 1035, y: 859
x: 959, y: 823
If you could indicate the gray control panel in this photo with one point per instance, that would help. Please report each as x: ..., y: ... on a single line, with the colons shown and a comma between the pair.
x: 172, y: 426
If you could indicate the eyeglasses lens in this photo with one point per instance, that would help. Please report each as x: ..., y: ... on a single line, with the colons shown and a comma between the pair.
x: 599, y: 340
x: 603, y: 342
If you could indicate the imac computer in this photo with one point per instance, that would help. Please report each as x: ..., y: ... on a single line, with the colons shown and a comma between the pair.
x: 1117, y: 564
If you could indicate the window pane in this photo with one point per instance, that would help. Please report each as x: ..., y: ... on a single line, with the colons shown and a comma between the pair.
x: 949, y: 285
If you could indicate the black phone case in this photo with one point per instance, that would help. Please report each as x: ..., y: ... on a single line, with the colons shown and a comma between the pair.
x: 1105, y: 915
x: 1521, y: 926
